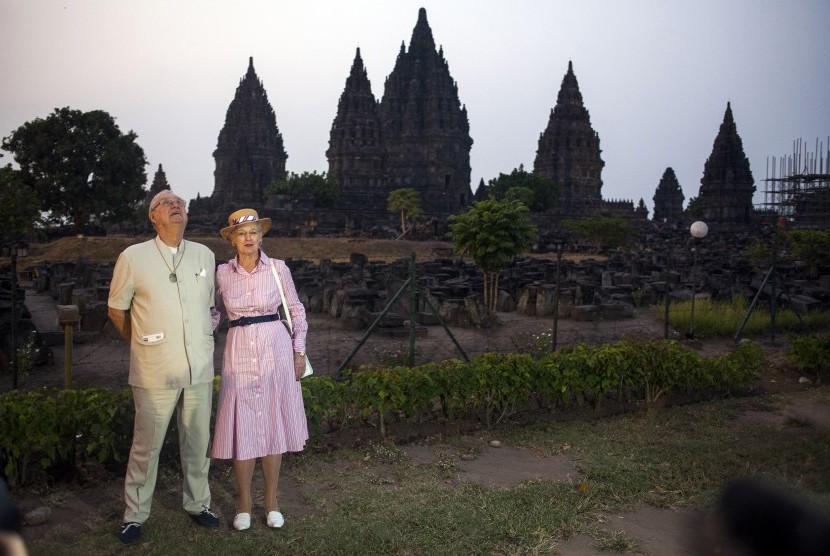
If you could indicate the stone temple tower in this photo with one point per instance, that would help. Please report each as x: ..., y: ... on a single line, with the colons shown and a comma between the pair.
x: 668, y: 199
x: 249, y: 154
x: 727, y: 186
x: 356, y: 152
x: 568, y: 151
x: 425, y: 127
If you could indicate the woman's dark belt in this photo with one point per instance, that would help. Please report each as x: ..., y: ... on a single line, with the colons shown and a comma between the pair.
x: 245, y: 321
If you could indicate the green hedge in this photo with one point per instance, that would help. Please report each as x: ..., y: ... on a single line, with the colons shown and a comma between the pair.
x: 53, y: 428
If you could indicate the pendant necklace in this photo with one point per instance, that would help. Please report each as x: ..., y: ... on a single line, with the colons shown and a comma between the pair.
x: 173, y: 277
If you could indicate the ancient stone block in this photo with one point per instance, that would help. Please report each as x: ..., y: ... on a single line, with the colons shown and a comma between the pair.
x: 545, y: 300
x: 616, y: 311
x: 94, y: 317
x: 505, y: 302
x: 802, y: 303
x: 527, y: 301
x: 585, y: 312
x: 426, y: 318
x: 65, y: 293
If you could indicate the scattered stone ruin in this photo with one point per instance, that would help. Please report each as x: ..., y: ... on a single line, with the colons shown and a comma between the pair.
x: 354, y: 293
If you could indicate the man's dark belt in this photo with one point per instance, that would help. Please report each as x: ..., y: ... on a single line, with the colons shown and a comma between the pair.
x: 245, y: 321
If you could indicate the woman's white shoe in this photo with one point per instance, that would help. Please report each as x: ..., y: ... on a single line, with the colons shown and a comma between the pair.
x: 275, y: 520
x: 242, y: 521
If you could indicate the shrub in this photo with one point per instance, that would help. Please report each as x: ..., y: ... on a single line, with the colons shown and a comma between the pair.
x: 810, y: 353
x: 54, y: 428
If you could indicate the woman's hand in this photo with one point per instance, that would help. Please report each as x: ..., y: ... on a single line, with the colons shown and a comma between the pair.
x: 299, y: 364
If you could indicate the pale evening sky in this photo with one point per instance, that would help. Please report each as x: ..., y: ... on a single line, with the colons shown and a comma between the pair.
x: 655, y: 75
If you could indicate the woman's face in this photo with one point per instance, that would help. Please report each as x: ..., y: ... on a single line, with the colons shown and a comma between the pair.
x: 247, y: 239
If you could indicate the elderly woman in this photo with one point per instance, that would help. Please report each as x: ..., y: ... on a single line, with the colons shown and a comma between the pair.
x: 260, y: 412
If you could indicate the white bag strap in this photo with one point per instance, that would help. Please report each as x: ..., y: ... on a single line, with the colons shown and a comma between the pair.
x: 282, y: 298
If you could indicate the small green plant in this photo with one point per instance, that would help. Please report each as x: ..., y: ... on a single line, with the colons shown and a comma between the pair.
x: 536, y: 345
x: 799, y: 422
x: 637, y: 297
x: 618, y: 541
x: 386, y: 453
x: 810, y: 353
x: 26, y: 357
x: 446, y: 463
x: 390, y: 356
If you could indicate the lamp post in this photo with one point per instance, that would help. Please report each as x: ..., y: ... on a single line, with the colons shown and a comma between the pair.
x: 698, y: 230
x: 667, y: 299
x: 781, y: 225
x: 18, y: 249
x: 559, y: 244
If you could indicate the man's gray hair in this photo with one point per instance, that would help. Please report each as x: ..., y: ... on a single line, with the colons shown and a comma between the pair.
x: 156, y: 200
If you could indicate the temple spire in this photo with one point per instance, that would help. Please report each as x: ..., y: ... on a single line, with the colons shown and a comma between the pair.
x: 425, y: 127
x: 356, y: 149
x: 357, y: 65
x: 568, y: 152
x: 422, y: 41
x: 727, y: 185
x: 668, y: 199
x: 249, y: 153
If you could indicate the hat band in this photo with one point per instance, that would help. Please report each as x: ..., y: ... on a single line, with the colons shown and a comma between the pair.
x: 246, y: 218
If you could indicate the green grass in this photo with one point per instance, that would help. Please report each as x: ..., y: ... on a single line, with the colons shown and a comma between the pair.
x: 617, y: 541
x: 721, y: 319
x: 374, y: 500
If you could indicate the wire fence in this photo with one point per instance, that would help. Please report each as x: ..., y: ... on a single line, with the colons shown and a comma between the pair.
x: 329, y: 345
x: 103, y: 360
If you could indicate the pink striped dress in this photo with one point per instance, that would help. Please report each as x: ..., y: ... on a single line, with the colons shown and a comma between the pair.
x: 260, y: 410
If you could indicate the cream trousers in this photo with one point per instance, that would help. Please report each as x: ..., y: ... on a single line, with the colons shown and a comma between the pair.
x: 153, y: 410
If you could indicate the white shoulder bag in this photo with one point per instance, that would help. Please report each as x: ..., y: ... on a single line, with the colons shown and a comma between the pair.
x: 308, y: 370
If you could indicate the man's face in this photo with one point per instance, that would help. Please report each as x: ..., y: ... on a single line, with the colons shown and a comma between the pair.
x: 170, y: 210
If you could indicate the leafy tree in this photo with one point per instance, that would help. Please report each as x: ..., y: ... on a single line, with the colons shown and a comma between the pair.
x: 519, y: 193
x: 81, y: 166
x: 605, y: 232
x: 808, y: 247
x: 544, y: 193
x: 811, y: 247
x: 408, y: 202
x: 492, y: 232
x: 19, y: 204
x: 324, y: 190
x: 695, y: 207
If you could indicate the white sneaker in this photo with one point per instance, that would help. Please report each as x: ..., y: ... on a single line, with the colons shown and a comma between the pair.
x: 275, y: 520
x: 242, y: 521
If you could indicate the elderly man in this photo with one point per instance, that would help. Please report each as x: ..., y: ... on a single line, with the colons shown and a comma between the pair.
x: 160, y: 299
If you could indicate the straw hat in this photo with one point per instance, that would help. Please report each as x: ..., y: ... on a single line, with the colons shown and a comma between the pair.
x: 244, y: 216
